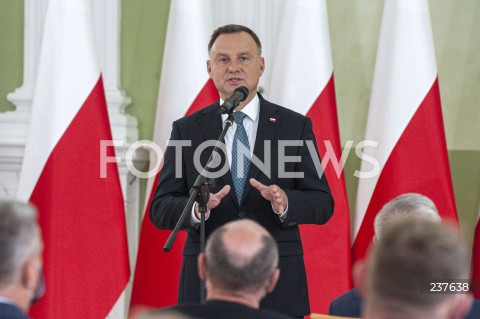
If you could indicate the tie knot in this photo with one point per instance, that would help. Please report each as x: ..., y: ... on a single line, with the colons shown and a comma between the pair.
x: 238, y: 117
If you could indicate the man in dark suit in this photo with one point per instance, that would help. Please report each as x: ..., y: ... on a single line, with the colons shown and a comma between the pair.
x: 20, y: 258
x: 287, y: 190
x: 240, y: 266
x: 413, y: 255
x: 350, y: 303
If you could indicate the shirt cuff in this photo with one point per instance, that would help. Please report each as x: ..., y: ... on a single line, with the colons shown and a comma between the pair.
x: 194, y: 221
x: 283, y: 216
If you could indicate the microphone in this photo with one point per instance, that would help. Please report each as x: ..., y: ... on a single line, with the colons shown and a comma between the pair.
x: 239, y: 95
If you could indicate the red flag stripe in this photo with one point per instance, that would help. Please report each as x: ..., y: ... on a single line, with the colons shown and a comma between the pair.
x: 157, y: 273
x: 330, y: 241
x: 83, y: 221
x: 418, y: 163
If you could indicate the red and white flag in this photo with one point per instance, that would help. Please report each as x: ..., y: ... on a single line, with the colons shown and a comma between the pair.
x: 476, y: 260
x: 184, y: 88
x: 302, y: 80
x: 81, y: 215
x: 405, y: 119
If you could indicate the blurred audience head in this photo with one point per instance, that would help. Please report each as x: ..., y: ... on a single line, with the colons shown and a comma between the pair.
x: 414, y: 253
x: 406, y: 204
x: 21, y: 253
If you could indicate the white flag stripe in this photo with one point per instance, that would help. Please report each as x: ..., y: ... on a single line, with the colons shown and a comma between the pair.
x: 300, y: 61
x: 184, y: 67
x: 74, y: 82
x: 405, y: 71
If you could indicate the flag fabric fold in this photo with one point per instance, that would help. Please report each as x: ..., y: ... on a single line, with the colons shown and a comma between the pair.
x: 184, y: 88
x: 302, y: 80
x: 81, y: 215
x: 405, y: 119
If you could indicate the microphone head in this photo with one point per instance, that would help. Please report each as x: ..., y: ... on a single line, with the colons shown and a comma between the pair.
x: 242, y: 93
x: 239, y: 94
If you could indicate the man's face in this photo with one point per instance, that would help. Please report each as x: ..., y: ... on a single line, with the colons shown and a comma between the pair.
x: 234, y: 62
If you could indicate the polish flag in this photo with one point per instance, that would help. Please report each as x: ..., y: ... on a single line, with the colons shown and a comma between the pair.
x: 302, y: 80
x: 405, y: 150
x: 476, y: 260
x: 184, y: 88
x: 81, y: 215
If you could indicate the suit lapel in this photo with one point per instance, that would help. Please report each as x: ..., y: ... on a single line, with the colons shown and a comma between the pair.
x: 268, y: 122
x: 210, y: 123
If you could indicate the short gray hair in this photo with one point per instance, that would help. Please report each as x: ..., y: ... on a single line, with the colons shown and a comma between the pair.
x: 406, y: 204
x: 412, y: 253
x: 19, y: 235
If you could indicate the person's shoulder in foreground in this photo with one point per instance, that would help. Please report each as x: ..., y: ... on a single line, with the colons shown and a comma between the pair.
x: 9, y: 311
x: 475, y: 310
x: 214, y: 309
x: 348, y: 304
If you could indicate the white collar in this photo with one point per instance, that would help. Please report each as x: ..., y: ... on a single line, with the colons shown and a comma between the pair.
x: 252, y: 109
x: 6, y: 300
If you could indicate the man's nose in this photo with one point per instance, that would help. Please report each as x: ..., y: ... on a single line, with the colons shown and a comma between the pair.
x: 234, y: 66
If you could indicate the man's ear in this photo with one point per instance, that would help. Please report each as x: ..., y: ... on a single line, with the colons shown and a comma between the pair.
x: 262, y: 65
x: 272, y: 281
x: 209, y: 67
x: 359, y: 273
x: 29, y: 275
x: 202, y: 266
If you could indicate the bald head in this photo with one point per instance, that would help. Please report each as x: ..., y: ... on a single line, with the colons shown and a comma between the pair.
x: 243, y: 240
x: 240, y: 256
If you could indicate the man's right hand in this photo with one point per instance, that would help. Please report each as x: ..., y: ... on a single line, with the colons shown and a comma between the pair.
x: 213, y: 201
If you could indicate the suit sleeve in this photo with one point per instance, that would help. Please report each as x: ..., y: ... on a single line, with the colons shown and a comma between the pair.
x: 171, y: 194
x: 310, y: 201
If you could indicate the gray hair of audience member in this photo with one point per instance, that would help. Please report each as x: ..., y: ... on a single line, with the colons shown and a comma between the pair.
x: 412, y: 253
x: 405, y: 204
x: 19, y: 235
x: 230, y: 268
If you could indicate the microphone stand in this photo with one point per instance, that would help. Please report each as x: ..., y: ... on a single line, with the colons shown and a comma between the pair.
x: 200, y: 192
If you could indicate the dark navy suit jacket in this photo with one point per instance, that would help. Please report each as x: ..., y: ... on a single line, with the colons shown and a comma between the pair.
x: 350, y: 305
x: 309, y: 198
x: 347, y: 305
x: 216, y: 309
x: 8, y: 311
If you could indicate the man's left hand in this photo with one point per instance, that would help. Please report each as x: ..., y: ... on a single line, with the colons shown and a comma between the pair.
x: 272, y: 193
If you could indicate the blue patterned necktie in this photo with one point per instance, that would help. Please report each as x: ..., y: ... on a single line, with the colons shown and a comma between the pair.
x: 240, y: 156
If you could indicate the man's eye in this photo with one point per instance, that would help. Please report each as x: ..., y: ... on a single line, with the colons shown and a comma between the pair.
x: 223, y: 60
x: 243, y: 58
